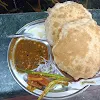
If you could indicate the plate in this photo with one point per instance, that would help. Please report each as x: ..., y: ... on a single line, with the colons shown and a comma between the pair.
x: 36, y: 29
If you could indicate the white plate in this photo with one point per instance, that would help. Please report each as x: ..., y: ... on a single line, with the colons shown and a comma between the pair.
x: 36, y: 29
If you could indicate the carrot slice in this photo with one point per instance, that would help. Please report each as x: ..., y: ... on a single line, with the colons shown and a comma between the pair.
x: 34, y: 84
x: 34, y: 77
x: 44, y: 82
x: 40, y: 79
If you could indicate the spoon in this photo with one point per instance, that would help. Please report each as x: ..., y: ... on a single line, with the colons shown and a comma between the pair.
x: 24, y: 35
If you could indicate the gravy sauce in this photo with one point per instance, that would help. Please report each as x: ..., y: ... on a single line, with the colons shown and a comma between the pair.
x: 28, y: 54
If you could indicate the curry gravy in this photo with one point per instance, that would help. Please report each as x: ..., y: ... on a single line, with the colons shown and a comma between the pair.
x: 28, y: 54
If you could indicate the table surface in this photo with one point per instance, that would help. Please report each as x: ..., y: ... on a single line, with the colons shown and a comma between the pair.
x: 9, y: 24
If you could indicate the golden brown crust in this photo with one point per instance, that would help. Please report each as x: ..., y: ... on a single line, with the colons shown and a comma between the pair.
x: 60, y: 14
x: 78, y: 50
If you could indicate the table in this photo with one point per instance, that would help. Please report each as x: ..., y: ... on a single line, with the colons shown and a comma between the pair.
x: 9, y: 89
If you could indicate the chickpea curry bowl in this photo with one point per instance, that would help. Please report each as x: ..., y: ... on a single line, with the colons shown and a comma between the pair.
x: 25, y: 56
x: 28, y: 53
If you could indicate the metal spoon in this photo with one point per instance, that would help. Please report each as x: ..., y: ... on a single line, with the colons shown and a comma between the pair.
x: 24, y: 35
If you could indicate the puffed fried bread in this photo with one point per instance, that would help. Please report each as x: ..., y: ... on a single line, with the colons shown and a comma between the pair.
x: 60, y: 14
x: 78, y: 50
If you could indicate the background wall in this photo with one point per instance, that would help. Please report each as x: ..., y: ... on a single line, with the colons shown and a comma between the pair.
x: 13, y: 6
